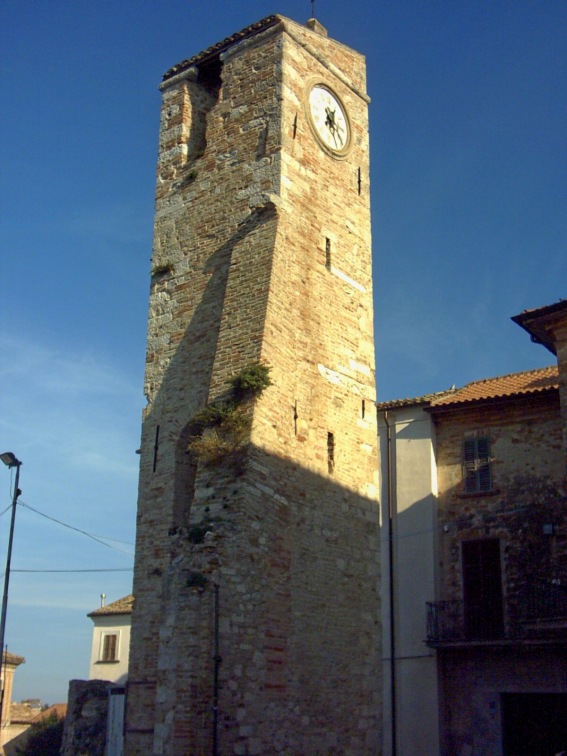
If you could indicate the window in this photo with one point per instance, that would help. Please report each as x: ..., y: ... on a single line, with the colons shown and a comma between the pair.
x: 477, y: 471
x: 109, y: 650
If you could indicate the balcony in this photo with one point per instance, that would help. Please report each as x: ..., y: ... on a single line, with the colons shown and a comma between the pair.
x: 539, y: 614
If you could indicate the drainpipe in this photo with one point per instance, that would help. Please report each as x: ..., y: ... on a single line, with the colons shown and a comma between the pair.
x: 391, y: 580
x: 216, y: 661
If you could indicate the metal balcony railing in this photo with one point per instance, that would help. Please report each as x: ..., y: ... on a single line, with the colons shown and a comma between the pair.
x: 454, y: 621
x: 547, y: 601
x: 445, y: 621
x: 538, y: 611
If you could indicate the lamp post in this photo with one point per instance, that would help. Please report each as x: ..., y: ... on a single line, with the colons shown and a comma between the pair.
x: 10, y: 460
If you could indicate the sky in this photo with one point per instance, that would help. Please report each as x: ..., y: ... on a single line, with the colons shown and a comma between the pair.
x: 468, y: 184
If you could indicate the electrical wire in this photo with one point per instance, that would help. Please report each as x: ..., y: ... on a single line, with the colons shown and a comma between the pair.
x: 98, y: 539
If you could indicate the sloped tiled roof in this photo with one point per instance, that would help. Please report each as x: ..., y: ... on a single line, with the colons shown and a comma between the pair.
x: 515, y: 384
x: 560, y: 306
x: 59, y: 709
x: 541, y: 323
x: 411, y: 402
x: 220, y: 46
x: 122, y: 606
x: 22, y: 713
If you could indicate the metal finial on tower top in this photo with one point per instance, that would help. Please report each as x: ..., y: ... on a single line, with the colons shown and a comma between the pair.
x: 313, y: 24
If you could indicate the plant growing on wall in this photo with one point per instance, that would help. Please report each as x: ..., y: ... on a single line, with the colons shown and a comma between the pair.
x: 221, y: 429
x: 251, y: 381
x: 162, y: 270
x: 43, y: 737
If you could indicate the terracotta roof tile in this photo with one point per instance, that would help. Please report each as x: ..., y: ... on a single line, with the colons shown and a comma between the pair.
x: 515, y: 384
x: 59, y: 709
x: 411, y: 402
x: 527, y: 382
x: 220, y: 46
x: 22, y: 713
x: 122, y: 606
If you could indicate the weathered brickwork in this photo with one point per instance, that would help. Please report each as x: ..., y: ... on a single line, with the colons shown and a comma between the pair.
x: 548, y: 326
x: 512, y: 640
x: 261, y: 253
x: 86, y: 718
x: 527, y: 492
x: 474, y: 680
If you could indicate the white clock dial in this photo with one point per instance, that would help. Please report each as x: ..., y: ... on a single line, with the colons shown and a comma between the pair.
x: 329, y: 118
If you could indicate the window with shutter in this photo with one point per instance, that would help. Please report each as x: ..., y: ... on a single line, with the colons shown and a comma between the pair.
x: 109, y: 648
x: 477, y: 471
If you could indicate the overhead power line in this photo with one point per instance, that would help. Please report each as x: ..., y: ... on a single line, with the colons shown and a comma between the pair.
x: 98, y: 539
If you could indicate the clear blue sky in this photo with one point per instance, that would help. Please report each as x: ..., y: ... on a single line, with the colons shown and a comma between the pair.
x: 468, y: 148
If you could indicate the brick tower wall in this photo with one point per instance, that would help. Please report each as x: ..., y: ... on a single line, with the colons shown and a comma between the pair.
x: 287, y: 530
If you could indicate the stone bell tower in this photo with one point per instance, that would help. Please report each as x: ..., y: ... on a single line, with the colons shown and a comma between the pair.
x: 256, y: 620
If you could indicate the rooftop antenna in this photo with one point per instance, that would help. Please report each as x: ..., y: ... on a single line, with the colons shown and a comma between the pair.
x: 312, y: 8
x: 102, y: 599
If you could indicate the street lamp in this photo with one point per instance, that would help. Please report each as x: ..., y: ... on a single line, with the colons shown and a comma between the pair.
x: 10, y: 460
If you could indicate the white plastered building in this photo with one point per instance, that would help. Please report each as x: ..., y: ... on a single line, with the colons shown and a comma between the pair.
x: 111, y: 641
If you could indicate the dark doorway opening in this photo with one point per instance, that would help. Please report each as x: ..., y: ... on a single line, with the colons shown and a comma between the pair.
x: 534, y: 724
x: 482, y: 589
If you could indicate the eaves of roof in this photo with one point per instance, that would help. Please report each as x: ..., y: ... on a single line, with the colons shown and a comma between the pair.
x: 527, y: 383
x: 59, y: 709
x: 13, y: 659
x: 426, y: 399
x: 22, y: 713
x: 216, y: 49
x: 121, y: 606
x: 541, y: 323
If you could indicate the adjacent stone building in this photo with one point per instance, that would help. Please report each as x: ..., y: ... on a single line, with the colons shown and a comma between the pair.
x: 256, y: 623
x: 474, y: 498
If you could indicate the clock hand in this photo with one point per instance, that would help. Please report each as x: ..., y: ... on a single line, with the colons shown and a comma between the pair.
x: 330, y: 120
x: 333, y: 129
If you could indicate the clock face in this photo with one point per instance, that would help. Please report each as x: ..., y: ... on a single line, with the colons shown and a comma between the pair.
x: 329, y: 118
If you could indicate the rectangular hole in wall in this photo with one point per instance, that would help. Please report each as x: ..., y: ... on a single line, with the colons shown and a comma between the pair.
x: 156, y: 447
x: 359, y: 181
x: 363, y: 409
x: 328, y: 253
x: 331, y: 452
